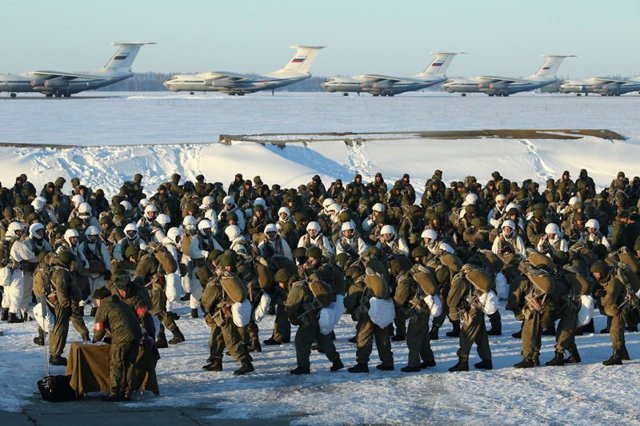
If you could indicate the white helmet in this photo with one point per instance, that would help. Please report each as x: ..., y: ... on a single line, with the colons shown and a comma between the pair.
x: 470, y: 199
x: 70, y: 233
x: 77, y: 200
x: 314, y: 225
x: 552, y: 228
x: 512, y: 206
x: 347, y: 226
x: 574, y: 200
x: 592, y: 223
x: 429, y: 233
x: 38, y: 203
x: 270, y: 228
x: 204, y: 224
x: 378, y: 207
x: 207, y: 202
x: 143, y: 203
x: 174, y: 234
x: 131, y: 227
x: 260, y: 202
x: 501, y: 197
x: 189, y: 222
x: 13, y: 228
x: 284, y: 210
x: 387, y: 229
x: 327, y: 202
x: 92, y: 230
x: 150, y: 208
x: 84, y: 209
x: 508, y: 223
x: 163, y: 219
x: 232, y: 232
x: 229, y: 200
x: 33, y: 229
x: 127, y: 205
x: 335, y: 207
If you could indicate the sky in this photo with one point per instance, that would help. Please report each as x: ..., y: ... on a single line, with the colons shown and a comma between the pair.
x: 504, y: 37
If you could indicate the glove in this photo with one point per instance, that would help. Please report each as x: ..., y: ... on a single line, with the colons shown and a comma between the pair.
x: 107, y: 275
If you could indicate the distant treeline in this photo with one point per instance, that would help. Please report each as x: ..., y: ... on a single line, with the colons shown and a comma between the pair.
x: 152, y: 82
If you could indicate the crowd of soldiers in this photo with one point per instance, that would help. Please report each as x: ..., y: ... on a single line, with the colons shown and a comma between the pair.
x: 400, y: 267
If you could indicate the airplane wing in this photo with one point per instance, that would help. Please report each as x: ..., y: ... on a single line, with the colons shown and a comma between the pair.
x: 604, y: 80
x: 67, y: 75
x: 493, y: 79
x: 217, y: 75
x: 377, y: 77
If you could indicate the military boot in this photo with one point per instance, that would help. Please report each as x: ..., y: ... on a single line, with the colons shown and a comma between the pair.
x: 245, y: 368
x: 549, y: 331
x: 455, y: 332
x: 484, y: 365
x: 385, y: 367
x: 13, y: 319
x: 589, y: 328
x: 525, y: 363
x: 616, y: 358
x: 433, y: 334
x: 271, y: 342
x: 359, y: 368
x: 186, y: 297
x: 5, y: 314
x: 428, y: 364
x: 300, y: 370
x: 161, y: 342
x: 194, y: 313
x: 214, y: 365
x: 39, y: 340
x: 337, y: 365
x: 625, y: 354
x: 496, y: 324
x: 57, y: 360
x: 557, y: 361
x: 518, y: 334
x: 408, y: 369
x: 606, y: 329
x: 399, y: 337
x: 462, y: 365
x: 353, y: 339
x: 574, y: 357
x: 177, y: 338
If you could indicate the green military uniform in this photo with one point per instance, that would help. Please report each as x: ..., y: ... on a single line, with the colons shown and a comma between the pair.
x: 531, y: 303
x: 281, y: 324
x: 303, y: 311
x: 62, y: 282
x: 117, y: 317
x: 148, y: 269
x: 613, y: 299
x: 216, y: 305
x: 137, y: 298
x: 408, y: 298
x: 461, y: 302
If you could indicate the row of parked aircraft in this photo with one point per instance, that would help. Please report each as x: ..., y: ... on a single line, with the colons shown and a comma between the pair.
x: 118, y: 68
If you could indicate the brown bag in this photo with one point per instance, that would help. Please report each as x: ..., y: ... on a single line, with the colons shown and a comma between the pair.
x: 541, y: 280
x: 479, y: 279
x: 234, y: 288
x: 322, y: 292
x: 166, y: 259
x: 378, y: 286
x: 426, y: 281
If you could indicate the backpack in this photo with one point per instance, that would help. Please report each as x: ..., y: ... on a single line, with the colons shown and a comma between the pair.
x: 56, y: 389
x: 5, y: 249
x: 167, y: 261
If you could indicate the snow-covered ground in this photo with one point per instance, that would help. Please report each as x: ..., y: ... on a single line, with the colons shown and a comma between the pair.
x: 177, y: 133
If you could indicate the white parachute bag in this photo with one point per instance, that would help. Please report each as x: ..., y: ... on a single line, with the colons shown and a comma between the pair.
x: 381, y: 311
x: 434, y: 303
x: 44, y: 317
x: 241, y: 313
x: 262, y: 308
x: 502, y: 286
x: 489, y: 302
x: 585, y: 314
x: 339, y: 309
x: 326, y: 321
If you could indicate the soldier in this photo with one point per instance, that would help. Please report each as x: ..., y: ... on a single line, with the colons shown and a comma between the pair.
x: 409, y: 297
x: 13, y: 289
x: 61, y: 299
x: 274, y: 244
x: 532, y: 299
x: 315, y: 238
x: 217, y: 299
x: 303, y: 309
x: 358, y: 303
x: 281, y: 325
x: 390, y: 244
x: 350, y: 241
x: 593, y: 237
x: 97, y: 254
x: 465, y: 303
x: 117, y: 317
x: 553, y: 245
x: 615, y: 303
x: 193, y: 257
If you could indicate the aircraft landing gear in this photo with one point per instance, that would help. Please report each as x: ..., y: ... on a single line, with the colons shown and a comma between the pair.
x: 463, y: 95
x: 192, y: 93
x: 13, y: 95
x: 49, y: 95
x: 345, y: 94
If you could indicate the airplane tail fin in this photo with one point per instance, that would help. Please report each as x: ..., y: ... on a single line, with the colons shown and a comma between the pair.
x: 440, y: 63
x: 301, y: 62
x: 551, y: 65
x: 123, y: 59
